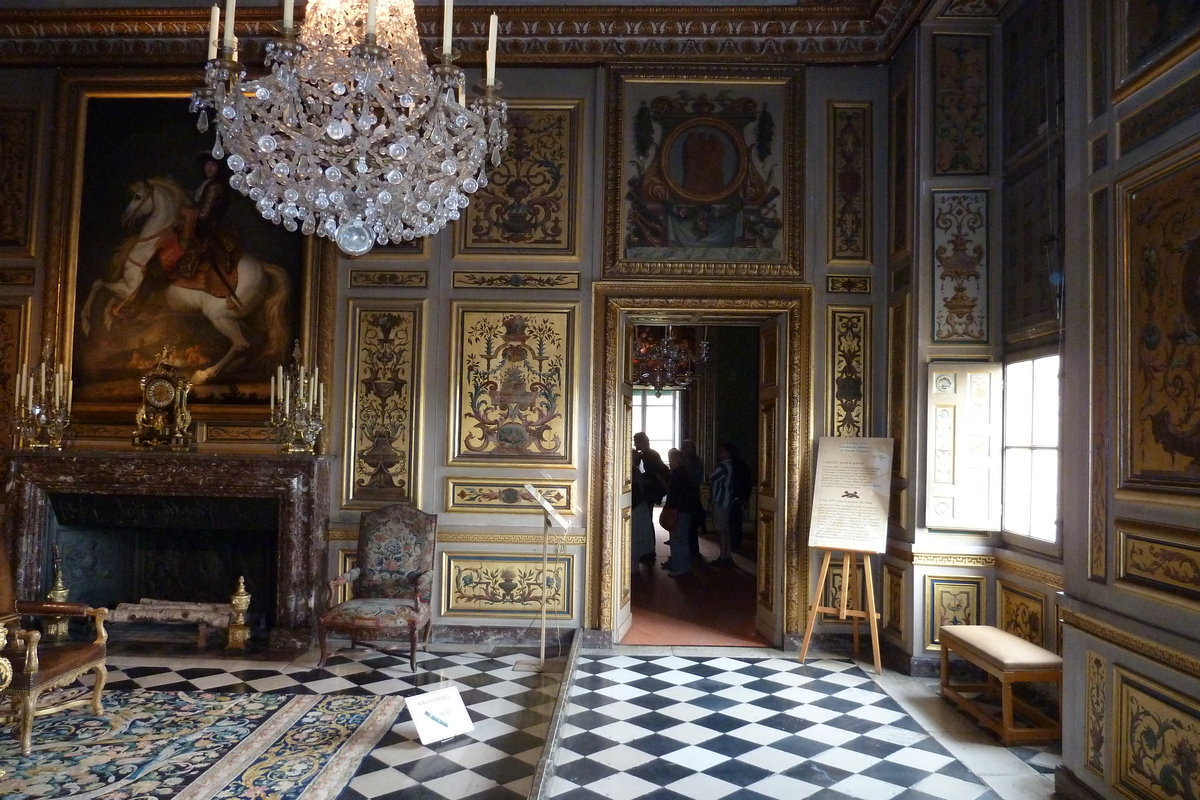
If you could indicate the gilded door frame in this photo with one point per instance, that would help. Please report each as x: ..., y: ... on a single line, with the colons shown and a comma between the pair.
x: 738, y: 302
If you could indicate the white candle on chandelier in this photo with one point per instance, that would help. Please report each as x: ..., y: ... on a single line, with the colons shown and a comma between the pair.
x: 491, y: 51
x: 272, y: 393
x: 235, y: 49
x: 227, y: 42
x: 447, y: 27
x: 214, y: 23
x: 370, y: 17
x: 289, y: 14
x: 70, y: 392
x: 20, y: 388
x: 312, y: 390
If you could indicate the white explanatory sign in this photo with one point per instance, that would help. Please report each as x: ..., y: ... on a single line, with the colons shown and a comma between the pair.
x: 851, y: 494
x: 439, y: 714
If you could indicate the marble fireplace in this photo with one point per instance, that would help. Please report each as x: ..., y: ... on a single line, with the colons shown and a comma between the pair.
x: 295, y: 484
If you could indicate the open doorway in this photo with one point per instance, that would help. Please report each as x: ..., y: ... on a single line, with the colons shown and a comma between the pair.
x: 716, y: 414
x: 782, y: 315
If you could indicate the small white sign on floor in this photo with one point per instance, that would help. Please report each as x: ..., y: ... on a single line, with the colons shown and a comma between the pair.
x: 439, y: 715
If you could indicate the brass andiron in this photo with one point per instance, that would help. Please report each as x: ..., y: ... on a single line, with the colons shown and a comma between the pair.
x: 297, y: 406
x: 56, y: 629
x: 42, y: 406
x: 239, y: 631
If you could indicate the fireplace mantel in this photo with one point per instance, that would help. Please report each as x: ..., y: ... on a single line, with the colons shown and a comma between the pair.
x: 298, y: 482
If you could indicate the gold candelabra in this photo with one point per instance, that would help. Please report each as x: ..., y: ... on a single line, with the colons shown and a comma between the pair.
x: 42, y: 407
x: 297, y: 406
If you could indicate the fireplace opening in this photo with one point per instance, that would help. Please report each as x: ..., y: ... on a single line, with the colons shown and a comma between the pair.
x: 122, y: 548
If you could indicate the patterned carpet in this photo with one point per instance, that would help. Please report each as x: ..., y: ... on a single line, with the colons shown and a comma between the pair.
x: 186, y: 745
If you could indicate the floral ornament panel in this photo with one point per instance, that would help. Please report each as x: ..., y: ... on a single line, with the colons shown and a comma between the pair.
x: 1160, y: 558
x: 467, y: 494
x: 514, y: 367
x: 849, y: 332
x: 960, y: 114
x: 384, y: 391
x: 1023, y: 613
x: 1157, y: 739
x: 501, y: 586
x: 18, y: 165
x: 951, y: 601
x: 1159, y: 216
x: 849, y: 183
x: 960, y: 253
x: 1097, y: 711
x: 530, y: 204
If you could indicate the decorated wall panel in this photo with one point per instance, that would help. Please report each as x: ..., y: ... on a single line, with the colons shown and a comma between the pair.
x: 1160, y: 559
x: 897, y: 398
x: 509, y: 587
x: 960, y: 114
x: 20, y: 149
x: 383, y: 384
x: 509, y: 279
x: 1100, y: 423
x: 1097, y: 712
x: 487, y: 495
x: 1032, y: 272
x: 1156, y: 738
x: 1158, y: 212
x: 514, y: 392
x: 848, y: 333
x: 895, y: 605
x: 960, y: 253
x: 900, y: 167
x: 1149, y: 36
x: 530, y: 206
x: 1159, y: 114
x: 388, y: 278
x: 1022, y: 612
x: 952, y: 600
x: 849, y: 196
x: 1030, y: 69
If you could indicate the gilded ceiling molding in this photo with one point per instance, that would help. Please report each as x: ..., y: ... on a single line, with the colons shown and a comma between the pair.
x: 853, y: 31
x: 952, y: 560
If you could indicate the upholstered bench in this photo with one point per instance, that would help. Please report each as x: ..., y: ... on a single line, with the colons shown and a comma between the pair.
x: 1007, y: 660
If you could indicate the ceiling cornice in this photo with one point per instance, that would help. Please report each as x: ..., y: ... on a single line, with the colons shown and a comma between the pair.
x: 862, y: 32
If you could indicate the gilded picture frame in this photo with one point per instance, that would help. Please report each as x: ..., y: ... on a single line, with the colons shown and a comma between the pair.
x: 530, y: 208
x: 682, y: 142
x: 1149, y: 37
x: 1158, y: 390
x: 513, y: 374
x: 128, y: 151
x: 384, y: 386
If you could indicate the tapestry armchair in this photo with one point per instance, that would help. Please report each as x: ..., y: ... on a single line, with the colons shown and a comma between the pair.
x: 391, y: 583
x: 38, y: 667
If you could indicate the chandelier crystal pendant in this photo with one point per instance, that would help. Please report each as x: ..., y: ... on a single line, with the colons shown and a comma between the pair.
x: 352, y: 135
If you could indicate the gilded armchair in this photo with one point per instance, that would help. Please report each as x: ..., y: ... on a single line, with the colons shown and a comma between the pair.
x: 39, y: 667
x: 391, y: 583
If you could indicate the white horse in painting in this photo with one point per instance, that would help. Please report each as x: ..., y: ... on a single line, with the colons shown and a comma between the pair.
x: 158, y: 201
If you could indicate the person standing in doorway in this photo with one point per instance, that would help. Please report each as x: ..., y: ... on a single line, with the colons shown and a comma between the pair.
x: 721, y: 488
x: 649, y: 481
x: 685, y: 500
x: 694, y: 466
x: 743, y: 486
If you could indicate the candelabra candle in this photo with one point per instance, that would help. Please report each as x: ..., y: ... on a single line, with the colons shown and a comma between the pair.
x: 41, y: 409
x: 297, y: 412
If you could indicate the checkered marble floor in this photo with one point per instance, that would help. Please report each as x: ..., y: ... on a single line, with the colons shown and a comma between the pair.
x: 746, y: 728
x: 720, y: 723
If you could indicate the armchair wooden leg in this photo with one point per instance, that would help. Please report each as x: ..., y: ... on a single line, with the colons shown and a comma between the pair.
x: 98, y: 688
x: 412, y: 646
x: 25, y: 721
x: 323, y: 638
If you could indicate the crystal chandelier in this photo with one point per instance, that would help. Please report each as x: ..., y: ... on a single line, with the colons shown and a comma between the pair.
x: 666, y: 357
x: 352, y: 135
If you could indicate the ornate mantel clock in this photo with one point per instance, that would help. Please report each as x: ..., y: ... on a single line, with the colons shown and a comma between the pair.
x: 164, y: 419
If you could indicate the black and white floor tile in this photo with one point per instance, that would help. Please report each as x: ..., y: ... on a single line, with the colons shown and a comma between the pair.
x: 720, y: 723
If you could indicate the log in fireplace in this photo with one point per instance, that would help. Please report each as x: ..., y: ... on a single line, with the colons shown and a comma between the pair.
x: 296, y: 483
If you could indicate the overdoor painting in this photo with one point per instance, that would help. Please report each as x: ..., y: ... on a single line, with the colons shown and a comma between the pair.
x: 705, y: 181
x: 514, y: 367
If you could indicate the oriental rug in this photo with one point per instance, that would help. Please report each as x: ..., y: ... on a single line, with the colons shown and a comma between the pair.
x: 154, y: 745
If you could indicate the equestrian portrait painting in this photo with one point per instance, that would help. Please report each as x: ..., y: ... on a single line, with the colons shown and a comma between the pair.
x: 169, y: 256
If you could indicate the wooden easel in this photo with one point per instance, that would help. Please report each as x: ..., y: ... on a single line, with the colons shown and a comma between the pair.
x: 843, y: 610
